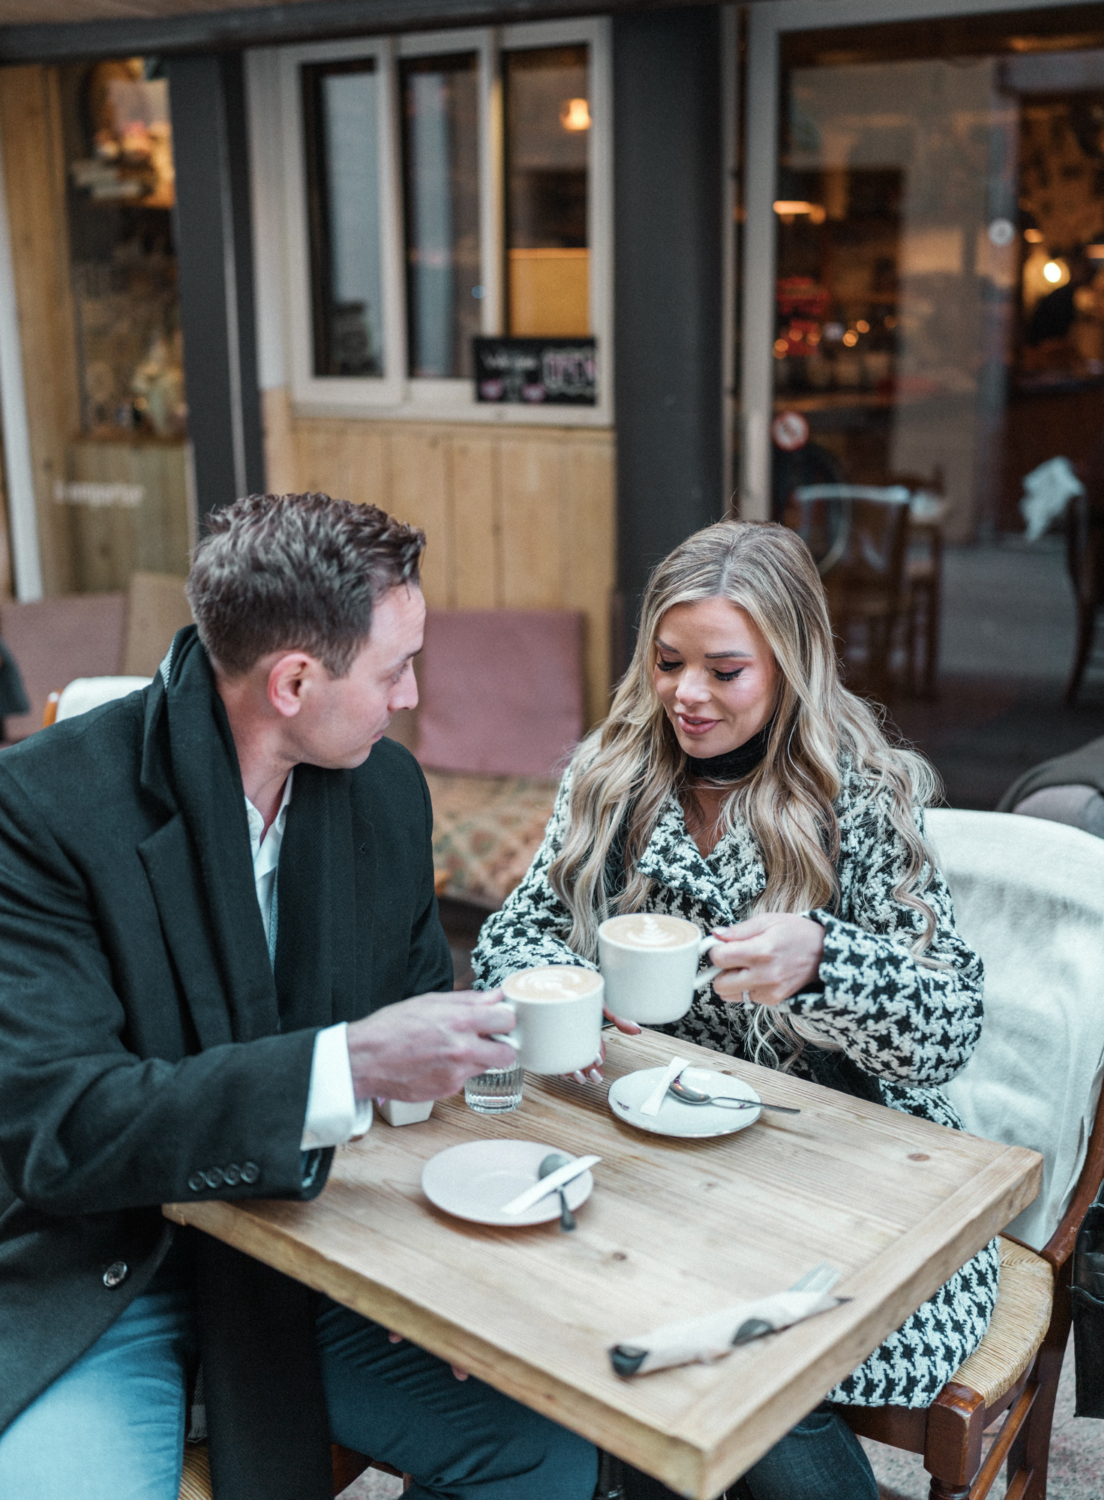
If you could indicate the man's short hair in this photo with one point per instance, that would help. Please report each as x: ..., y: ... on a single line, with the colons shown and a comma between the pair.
x: 296, y: 573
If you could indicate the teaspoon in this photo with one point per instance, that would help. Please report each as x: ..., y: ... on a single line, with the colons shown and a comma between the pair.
x: 679, y: 1090
x: 552, y: 1163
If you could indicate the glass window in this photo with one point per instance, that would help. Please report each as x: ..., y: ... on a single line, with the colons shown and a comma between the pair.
x: 341, y: 114
x: 440, y: 97
x: 547, y: 234
x: 940, y: 274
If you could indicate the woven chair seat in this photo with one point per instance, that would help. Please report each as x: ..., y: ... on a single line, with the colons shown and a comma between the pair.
x: 195, y: 1481
x: 1018, y: 1325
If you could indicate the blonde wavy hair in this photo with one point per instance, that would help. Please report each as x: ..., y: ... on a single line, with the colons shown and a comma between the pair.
x: 625, y: 771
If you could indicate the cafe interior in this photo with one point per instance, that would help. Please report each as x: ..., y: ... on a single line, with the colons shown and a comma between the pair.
x: 848, y: 277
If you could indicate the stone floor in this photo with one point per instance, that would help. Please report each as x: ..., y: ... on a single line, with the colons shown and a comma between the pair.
x: 1007, y: 647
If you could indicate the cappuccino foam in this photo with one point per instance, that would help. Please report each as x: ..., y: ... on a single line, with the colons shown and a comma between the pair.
x: 554, y: 982
x: 650, y: 930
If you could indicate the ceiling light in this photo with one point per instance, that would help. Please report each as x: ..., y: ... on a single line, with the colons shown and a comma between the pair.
x: 575, y: 114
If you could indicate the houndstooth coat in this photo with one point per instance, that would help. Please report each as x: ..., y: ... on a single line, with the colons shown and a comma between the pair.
x: 907, y: 1027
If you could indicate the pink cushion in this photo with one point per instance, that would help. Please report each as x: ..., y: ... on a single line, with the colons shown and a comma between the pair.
x: 501, y: 691
x: 55, y: 640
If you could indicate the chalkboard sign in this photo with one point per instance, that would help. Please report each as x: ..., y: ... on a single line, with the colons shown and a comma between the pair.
x: 536, y: 372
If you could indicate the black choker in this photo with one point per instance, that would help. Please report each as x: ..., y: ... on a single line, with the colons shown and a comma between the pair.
x: 734, y: 763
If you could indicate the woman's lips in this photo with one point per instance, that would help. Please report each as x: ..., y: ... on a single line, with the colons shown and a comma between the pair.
x: 696, y: 727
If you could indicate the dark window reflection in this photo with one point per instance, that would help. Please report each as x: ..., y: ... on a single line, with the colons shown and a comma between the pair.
x: 441, y: 192
x: 341, y: 113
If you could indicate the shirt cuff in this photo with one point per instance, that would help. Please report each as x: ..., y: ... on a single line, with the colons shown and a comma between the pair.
x: 333, y: 1114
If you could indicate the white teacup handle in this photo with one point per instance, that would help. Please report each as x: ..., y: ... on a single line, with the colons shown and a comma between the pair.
x: 501, y: 1036
x: 707, y: 976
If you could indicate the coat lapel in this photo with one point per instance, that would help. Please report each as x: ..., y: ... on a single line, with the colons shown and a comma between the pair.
x: 170, y: 869
x: 725, y: 883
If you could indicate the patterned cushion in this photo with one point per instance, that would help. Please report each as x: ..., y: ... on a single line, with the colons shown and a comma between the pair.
x: 486, y: 830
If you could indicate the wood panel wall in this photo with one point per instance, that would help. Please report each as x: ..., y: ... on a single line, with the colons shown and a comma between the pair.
x: 516, y: 517
x: 34, y: 168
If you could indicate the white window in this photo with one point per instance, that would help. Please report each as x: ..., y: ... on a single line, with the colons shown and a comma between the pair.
x: 425, y: 190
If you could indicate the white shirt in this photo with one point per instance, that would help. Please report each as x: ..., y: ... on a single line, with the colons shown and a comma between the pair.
x: 333, y: 1114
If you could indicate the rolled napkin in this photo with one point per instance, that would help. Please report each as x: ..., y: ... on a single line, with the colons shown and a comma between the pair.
x: 704, y: 1339
x: 652, y: 1103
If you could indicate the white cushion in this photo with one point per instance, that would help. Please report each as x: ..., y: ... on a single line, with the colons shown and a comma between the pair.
x: 1029, y: 896
x: 84, y: 693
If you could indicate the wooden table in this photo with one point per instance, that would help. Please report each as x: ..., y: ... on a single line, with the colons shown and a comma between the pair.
x: 673, y: 1228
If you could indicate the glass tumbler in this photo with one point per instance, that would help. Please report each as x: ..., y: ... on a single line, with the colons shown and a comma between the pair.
x: 495, y: 1091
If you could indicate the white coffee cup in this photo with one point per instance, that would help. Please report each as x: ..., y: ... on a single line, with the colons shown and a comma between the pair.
x: 559, y: 1017
x: 649, y: 962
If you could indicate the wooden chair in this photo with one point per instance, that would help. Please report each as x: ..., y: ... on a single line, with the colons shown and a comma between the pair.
x: 85, y: 693
x: 195, y: 1481
x: 858, y: 535
x: 1018, y: 884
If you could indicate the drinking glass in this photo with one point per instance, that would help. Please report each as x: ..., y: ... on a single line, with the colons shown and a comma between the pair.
x: 495, y: 1091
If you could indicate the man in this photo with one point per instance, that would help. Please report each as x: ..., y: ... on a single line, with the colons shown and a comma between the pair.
x: 215, y: 897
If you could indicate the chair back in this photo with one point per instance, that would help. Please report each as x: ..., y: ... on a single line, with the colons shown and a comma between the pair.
x: 85, y: 693
x: 1029, y: 897
x: 501, y: 691
x: 857, y: 533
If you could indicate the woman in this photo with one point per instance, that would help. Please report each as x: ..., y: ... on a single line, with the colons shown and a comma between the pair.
x: 737, y: 783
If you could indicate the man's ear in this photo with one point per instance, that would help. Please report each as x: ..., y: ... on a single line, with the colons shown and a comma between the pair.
x: 286, y: 679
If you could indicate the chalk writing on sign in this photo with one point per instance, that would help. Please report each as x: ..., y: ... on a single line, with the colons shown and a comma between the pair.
x: 536, y: 372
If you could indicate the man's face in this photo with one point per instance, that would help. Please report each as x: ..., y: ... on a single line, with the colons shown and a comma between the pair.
x: 343, y: 717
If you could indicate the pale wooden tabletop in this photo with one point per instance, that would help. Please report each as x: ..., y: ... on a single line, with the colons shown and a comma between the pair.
x: 673, y: 1228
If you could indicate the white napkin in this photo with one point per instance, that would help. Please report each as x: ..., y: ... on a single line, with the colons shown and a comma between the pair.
x: 704, y: 1339
x: 659, y: 1093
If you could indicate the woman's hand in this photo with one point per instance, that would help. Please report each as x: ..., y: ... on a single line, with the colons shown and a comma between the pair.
x: 594, y: 1072
x: 767, y: 958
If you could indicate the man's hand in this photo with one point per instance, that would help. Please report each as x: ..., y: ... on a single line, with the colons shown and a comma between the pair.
x: 769, y: 957
x: 428, y: 1047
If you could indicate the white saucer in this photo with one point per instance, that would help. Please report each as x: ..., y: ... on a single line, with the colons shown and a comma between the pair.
x: 627, y: 1094
x: 474, y: 1180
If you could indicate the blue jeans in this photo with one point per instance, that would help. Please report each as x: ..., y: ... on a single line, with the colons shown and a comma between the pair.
x: 819, y: 1459
x: 112, y: 1427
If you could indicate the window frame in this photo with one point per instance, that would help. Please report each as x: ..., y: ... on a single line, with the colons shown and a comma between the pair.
x: 395, y: 393
x: 340, y: 391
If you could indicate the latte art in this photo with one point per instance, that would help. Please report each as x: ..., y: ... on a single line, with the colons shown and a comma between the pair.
x: 651, y: 930
x: 555, y: 982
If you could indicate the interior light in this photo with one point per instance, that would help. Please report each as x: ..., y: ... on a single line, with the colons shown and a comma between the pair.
x: 781, y: 348
x: 1052, y: 271
x: 863, y: 326
x: 1033, y: 236
x: 1095, y: 252
x: 792, y: 208
x: 850, y: 338
x: 575, y: 114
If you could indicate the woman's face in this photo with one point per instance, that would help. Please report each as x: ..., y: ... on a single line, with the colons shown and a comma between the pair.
x: 715, y: 675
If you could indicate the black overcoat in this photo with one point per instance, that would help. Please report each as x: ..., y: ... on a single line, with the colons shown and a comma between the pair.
x: 148, y: 1050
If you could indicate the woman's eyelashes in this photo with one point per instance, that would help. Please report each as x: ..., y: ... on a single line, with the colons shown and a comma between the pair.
x: 673, y: 666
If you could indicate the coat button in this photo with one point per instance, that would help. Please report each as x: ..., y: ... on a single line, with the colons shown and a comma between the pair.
x: 214, y: 1177
x: 116, y: 1273
x: 250, y: 1172
x: 232, y: 1174
x: 197, y: 1182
